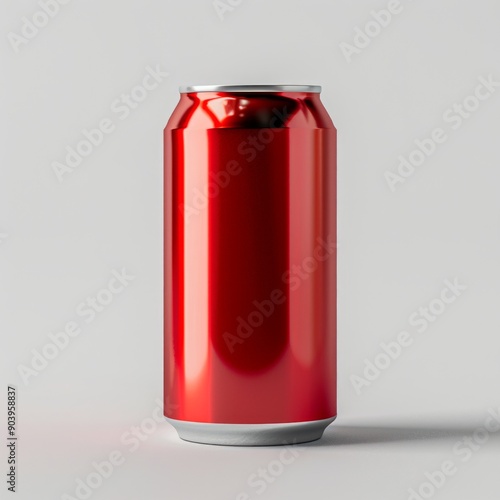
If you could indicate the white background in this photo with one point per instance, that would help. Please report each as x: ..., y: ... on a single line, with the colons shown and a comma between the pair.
x: 60, y: 242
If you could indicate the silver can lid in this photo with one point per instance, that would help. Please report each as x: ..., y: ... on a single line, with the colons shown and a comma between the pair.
x: 250, y: 88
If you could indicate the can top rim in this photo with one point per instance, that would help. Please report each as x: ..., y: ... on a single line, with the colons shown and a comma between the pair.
x: 185, y: 89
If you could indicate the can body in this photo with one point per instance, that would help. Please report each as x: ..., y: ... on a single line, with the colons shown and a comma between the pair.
x: 250, y: 266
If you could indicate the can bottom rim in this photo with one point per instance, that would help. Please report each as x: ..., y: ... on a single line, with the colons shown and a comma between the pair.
x: 250, y: 434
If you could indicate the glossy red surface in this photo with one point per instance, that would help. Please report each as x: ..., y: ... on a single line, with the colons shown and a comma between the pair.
x: 250, y: 258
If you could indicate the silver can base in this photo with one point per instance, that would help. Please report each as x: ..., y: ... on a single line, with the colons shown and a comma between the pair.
x: 251, y: 434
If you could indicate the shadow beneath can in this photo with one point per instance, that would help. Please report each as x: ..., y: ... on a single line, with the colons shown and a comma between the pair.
x: 351, y: 435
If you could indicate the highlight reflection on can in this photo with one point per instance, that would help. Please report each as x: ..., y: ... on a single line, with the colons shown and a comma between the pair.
x: 250, y: 265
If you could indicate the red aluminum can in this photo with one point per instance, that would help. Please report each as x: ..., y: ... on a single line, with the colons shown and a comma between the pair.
x: 250, y: 265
